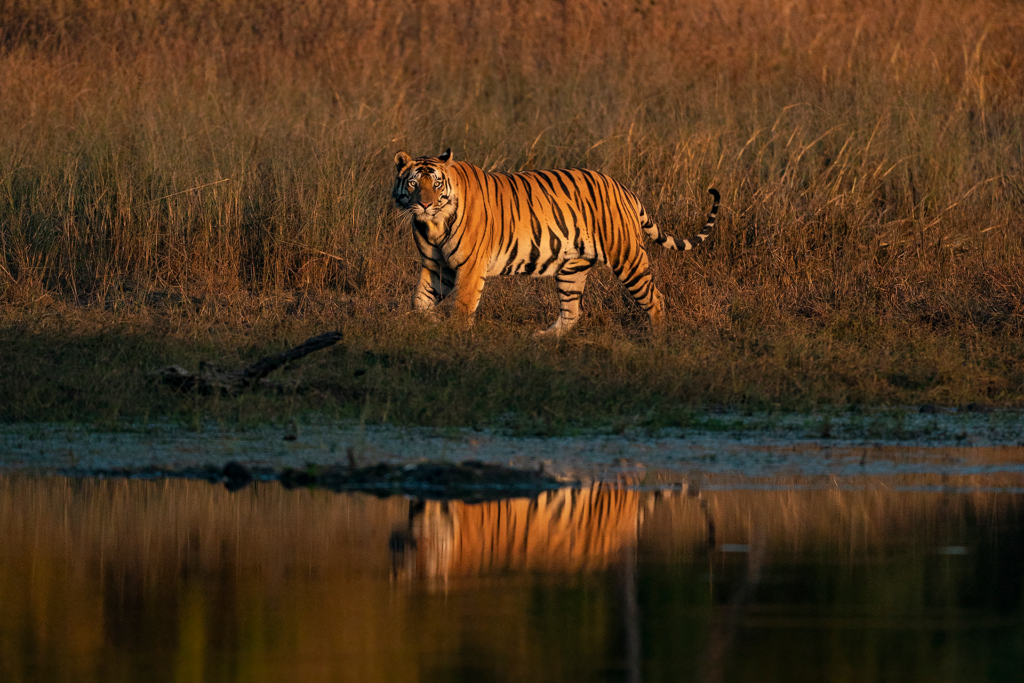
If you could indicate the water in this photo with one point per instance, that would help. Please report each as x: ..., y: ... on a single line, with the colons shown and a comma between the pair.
x: 176, y: 580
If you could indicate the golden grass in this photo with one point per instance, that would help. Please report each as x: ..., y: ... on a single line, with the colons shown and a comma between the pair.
x: 870, y: 158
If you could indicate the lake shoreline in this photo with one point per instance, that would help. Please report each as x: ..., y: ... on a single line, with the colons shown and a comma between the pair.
x: 947, y: 448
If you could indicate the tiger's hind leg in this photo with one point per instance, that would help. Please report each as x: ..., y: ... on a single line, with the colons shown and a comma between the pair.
x: 571, y: 279
x: 635, y: 273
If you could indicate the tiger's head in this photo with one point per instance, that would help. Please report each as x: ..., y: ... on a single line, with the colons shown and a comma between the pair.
x: 423, y: 187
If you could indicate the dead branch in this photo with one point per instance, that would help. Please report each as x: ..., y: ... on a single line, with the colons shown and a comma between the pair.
x: 212, y: 380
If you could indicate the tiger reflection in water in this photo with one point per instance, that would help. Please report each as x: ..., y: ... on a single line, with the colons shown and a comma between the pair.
x: 564, y: 530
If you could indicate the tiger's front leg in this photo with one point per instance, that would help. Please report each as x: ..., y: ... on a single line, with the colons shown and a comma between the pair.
x: 436, y: 282
x: 469, y: 284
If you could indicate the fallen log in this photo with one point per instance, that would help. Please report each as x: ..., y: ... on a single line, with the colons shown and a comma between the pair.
x: 213, y: 380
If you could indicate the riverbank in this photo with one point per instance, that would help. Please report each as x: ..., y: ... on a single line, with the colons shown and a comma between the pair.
x: 974, y: 449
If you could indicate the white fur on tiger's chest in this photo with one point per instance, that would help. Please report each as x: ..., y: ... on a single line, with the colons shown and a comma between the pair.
x: 435, y: 230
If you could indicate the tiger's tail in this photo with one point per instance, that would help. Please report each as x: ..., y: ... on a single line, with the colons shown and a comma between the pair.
x: 669, y: 242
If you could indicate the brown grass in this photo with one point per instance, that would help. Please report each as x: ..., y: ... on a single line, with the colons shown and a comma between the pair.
x: 237, y: 155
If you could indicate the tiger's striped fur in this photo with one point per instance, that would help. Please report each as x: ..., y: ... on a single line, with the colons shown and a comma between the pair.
x: 470, y: 225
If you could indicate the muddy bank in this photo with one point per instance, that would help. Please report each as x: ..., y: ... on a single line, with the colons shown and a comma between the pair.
x: 984, y: 448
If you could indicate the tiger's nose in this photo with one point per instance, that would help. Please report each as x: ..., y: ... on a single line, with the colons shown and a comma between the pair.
x: 425, y: 204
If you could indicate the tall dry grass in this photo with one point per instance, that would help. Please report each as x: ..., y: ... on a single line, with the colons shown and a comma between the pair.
x: 870, y: 157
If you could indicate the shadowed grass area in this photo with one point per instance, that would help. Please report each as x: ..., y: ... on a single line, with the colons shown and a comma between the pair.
x: 93, y: 365
x: 211, y: 181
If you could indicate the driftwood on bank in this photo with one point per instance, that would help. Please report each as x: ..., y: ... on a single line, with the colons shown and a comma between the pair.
x: 212, y: 380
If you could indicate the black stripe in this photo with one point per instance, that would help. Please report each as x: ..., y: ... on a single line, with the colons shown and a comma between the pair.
x: 558, y: 177
x: 510, y: 262
x: 531, y: 265
x: 556, y: 246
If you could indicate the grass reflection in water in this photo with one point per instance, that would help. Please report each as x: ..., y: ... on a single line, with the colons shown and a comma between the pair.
x: 123, y: 580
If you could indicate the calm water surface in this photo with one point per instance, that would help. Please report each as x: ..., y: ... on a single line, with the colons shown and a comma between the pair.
x: 128, y: 580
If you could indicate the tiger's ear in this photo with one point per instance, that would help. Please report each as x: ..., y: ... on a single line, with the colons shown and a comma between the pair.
x: 447, y: 156
x: 402, y: 160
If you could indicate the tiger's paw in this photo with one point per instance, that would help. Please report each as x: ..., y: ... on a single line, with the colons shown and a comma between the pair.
x: 428, y: 314
x: 554, y: 332
x: 461, y: 323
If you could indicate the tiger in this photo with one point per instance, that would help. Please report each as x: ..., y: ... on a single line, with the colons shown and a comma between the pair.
x: 568, y: 530
x: 470, y: 224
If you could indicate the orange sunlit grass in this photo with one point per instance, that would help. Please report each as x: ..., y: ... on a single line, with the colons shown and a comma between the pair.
x: 869, y: 157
